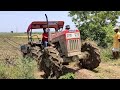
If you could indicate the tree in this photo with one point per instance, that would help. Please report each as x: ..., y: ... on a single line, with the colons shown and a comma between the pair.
x: 96, y: 25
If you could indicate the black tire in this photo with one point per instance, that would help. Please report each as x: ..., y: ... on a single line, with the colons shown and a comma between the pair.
x: 51, y: 63
x: 94, y: 55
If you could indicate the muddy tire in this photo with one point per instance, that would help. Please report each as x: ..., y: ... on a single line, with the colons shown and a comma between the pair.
x: 51, y: 63
x: 93, y: 60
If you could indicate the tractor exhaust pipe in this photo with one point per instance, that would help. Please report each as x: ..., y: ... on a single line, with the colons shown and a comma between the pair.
x: 49, y: 38
x: 47, y: 20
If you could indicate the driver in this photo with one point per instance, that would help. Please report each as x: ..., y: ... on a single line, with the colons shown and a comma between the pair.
x: 45, y: 37
x: 67, y: 27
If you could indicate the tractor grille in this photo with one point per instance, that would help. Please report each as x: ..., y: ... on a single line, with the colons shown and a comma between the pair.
x: 73, y: 45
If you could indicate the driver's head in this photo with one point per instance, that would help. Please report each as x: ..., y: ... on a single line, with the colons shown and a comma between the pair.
x: 67, y: 27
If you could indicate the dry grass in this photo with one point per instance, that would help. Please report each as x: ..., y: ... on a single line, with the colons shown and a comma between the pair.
x: 108, y: 71
x: 25, y: 36
x: 7, y: 50
x: 12, y: 53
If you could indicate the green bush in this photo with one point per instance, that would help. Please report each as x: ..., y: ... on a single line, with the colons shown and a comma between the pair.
x: 106, y: 54
x: 21, y: 69
x: 68, y: 76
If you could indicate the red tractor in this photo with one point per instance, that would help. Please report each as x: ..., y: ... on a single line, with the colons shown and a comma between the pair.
x: 65, y: 51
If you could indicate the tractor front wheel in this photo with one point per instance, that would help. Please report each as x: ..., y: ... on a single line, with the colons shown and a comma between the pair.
x: 93, y: 59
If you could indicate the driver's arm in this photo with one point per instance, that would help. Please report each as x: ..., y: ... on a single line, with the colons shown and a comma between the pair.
x: 45, y: 37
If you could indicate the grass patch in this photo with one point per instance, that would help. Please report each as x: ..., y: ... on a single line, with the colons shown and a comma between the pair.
x: 68, y: 76
x: 21, y: 69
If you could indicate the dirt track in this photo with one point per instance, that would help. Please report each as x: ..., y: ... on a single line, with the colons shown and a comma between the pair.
x: 104, y: 71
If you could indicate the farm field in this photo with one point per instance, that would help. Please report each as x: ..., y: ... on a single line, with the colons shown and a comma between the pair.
x: 11, y: 52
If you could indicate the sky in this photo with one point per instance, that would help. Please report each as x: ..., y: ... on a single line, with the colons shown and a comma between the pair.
x: 18, y: 21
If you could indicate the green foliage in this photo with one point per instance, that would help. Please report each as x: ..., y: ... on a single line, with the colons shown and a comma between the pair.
x: 68, y: 76
x: 97, y: 25
x: 108, y: 38
x: 106, y: 54
x: 21, y: 69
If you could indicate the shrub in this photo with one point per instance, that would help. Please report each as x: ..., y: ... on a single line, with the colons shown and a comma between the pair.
x: 106, y: 54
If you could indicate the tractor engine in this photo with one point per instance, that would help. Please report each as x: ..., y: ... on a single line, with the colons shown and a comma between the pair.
x: 67, y: 43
